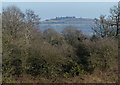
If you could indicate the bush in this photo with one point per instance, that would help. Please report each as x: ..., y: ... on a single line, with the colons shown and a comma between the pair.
x: 53, y: 37
x: 39, y: 67
x: 104, y: 54
x: 82, y: 50
x: 52, y: 71
x: 12, y: 66
x: 83, y: 54
x: 72, y: 35
x: 73, y: 69
x: 34, y: 66
x: 17, y: 66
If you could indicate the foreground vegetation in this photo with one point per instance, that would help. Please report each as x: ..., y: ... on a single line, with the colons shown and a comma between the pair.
x: 32, y: 56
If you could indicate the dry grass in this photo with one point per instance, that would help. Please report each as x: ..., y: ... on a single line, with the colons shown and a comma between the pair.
x: 96, y: 77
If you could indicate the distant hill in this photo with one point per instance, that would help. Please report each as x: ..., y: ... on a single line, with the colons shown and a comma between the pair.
x: 59, y: 23
x: 67, y: 20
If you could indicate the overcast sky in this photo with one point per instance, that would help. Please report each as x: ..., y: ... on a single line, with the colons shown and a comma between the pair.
x: 48, y: 10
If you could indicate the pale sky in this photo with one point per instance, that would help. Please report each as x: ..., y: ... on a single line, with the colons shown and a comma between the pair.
x: 48, y: 10
x: 59, y: 0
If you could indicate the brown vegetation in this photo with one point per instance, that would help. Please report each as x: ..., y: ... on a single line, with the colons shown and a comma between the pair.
x: 33, y: 56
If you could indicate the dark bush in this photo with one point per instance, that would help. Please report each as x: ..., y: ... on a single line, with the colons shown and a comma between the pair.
x: 83, y: 53
x: 72, y: 68
x: 12, y: 67
x: 34, y: 66
x: 17, y: 65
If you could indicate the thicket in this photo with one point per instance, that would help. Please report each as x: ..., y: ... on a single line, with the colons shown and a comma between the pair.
x: 50, y: 54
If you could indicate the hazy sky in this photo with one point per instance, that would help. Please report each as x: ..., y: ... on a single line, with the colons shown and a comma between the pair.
x: 48, y: 10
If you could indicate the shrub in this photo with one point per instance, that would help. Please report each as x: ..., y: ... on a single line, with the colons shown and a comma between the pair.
x: 51, y: 71
x: 104, y: 54
x: 83, y: 54
x: 53, y: 37
x: 34, y: 66
x: 73, y: 69
x: 17, y: 66
x: 12, y: 66
x: 72, y: 35
x: 82, y: 50
x: 39, y: 67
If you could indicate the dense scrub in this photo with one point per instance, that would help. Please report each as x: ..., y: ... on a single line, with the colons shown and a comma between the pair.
x: 50, y: 54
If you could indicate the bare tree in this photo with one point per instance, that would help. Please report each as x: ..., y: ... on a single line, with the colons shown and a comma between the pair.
x: 103, y: 28
x: 12, y: 18
x: 115, y: 15
x: 18, y: 29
